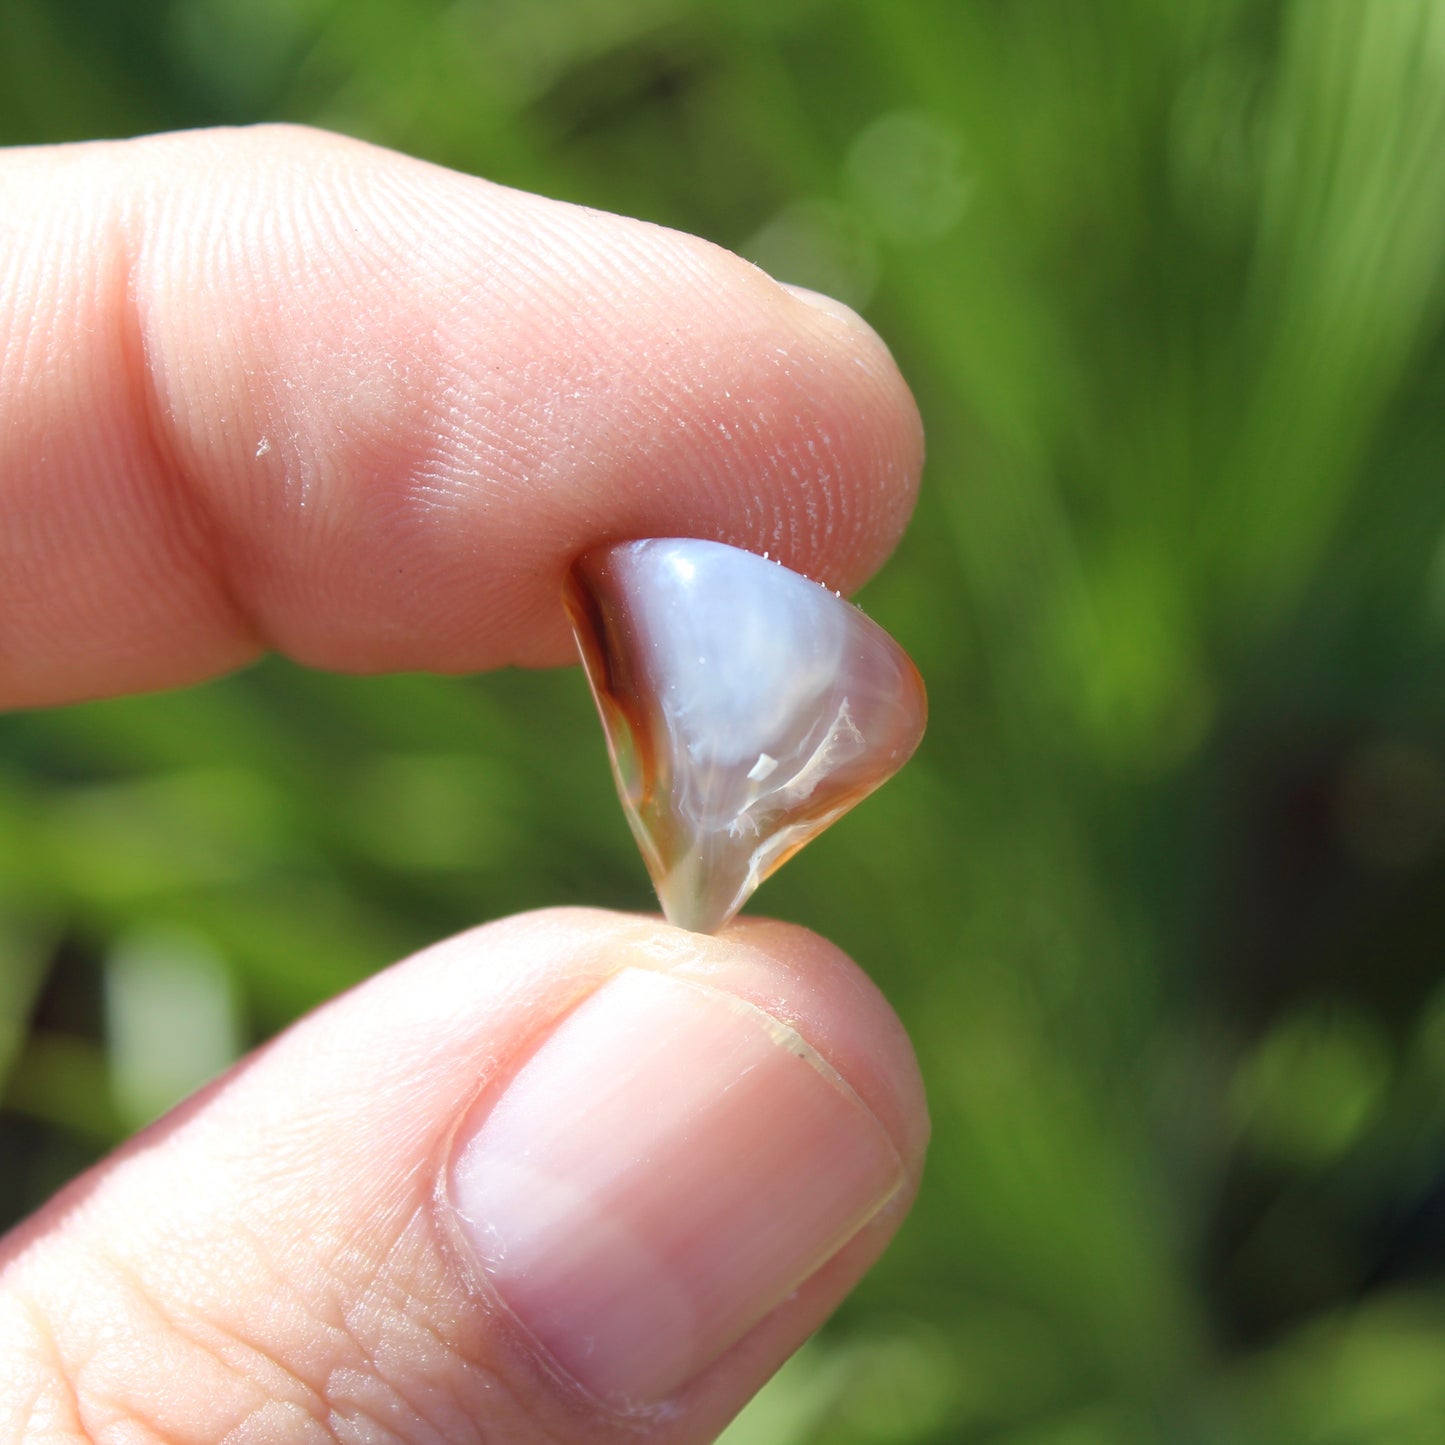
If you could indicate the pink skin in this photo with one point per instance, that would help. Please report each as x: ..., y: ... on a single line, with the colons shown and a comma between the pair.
x: 288, y: 1245
x: 275, y: 388
x: 278, y: 389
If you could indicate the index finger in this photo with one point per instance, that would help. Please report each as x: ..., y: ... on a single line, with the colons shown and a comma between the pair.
x: 278, y: 389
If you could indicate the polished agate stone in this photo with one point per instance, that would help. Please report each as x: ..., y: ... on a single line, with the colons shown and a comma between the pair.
x: 745, y: 707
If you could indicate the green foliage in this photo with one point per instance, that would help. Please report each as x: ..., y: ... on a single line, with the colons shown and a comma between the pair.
x: 1161, y: 898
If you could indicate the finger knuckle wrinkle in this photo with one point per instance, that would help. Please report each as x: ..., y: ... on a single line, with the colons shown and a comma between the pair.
x: 39, y: 1401
x: 196, y: 534
x: 136, y: 1366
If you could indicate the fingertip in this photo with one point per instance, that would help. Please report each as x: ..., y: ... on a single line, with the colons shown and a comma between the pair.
x: 788, y: 971
x: 685, y: 1173
x: 367, y: 410
x: 835, y: 1003
x: 564, y: 1176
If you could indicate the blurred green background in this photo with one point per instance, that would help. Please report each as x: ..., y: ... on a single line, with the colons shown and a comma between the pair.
x: 1162, y: 899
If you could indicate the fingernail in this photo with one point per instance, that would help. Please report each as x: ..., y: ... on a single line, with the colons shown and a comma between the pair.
x: 838, y: 310
x: 663, y: 1171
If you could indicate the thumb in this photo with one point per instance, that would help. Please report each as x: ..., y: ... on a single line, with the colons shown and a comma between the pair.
x: 562, y: 1178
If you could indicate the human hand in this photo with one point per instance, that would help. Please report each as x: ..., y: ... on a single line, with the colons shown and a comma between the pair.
x: 570, y: 1176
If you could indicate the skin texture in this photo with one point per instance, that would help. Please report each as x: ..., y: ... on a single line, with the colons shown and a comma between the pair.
x: 276, y: 389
